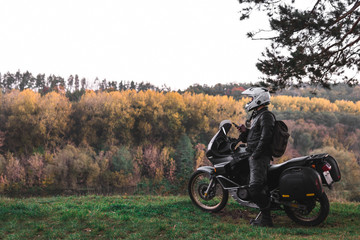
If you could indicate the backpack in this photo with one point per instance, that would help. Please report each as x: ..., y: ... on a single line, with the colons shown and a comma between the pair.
x: 280, y: 138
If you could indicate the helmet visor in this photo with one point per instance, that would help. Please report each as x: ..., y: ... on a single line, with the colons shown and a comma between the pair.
x: 251, y: 99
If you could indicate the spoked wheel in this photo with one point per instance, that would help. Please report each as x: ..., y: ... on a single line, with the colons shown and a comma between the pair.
x: 317, y: 209
x: 212, y: 201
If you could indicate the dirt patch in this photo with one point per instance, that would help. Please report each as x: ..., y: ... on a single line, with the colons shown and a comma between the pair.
x: 235, y: 214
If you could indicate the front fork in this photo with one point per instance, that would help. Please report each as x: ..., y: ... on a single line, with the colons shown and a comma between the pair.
x: 206, y: 193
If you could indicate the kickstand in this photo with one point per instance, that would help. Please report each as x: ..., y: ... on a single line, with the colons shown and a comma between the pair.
x: 258, y: 216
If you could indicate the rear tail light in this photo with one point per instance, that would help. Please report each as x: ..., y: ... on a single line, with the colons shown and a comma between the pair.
x: 326, y: 167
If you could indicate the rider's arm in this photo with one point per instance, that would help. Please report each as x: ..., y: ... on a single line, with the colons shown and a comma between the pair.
x: 243, y: 136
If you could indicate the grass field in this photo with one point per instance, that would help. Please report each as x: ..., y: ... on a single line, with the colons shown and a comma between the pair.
x: 152, y: 217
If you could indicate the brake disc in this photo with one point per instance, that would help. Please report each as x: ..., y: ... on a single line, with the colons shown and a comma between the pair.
x: 202, y: 189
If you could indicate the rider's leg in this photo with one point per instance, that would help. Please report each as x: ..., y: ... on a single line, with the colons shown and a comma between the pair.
x: 258, y: 176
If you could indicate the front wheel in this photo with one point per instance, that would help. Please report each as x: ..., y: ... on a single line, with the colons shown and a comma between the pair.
x: 212, y: 201
x: 317, y: 209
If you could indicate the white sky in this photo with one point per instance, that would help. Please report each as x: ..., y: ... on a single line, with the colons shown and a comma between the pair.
x: 172, y: 42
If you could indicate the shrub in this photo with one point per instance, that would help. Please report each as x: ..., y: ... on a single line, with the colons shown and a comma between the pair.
x: 152, y: 165
x: 200, y: 156
x: 14, y: 173
x: 3, y: 183
x: 122, y: 160
x: 168, y: 163
x: 2, y: 164
x: 36, y: 170
x: 74, y: 168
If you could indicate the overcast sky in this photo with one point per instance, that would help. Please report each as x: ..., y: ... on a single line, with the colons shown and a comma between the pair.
x: 177, y: 43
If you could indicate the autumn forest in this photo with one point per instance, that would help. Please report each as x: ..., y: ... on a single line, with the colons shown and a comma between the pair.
x: 149, y: 139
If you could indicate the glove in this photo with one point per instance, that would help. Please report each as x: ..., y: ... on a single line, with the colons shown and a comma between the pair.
x: 241, y: 128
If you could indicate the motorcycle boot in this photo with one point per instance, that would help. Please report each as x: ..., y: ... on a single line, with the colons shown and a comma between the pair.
x: 262, y: 199
x: 263, y: 219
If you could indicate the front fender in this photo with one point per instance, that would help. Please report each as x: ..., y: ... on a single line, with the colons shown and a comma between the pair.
x: 208, y: 169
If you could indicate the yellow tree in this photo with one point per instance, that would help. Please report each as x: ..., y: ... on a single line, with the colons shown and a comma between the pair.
x: 228, y: 108
x: 173, y: 117
x: 54, y: 118
x: 99, y: 117
x: 289, y: 103
x: 358, y: 106
x: 22, y: 110
x: 148, y: 113
x: 347, y: 106
x: 120, y: 121
x: 199, y: 112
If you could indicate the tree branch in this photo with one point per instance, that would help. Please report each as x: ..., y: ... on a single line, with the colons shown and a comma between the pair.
x: 343, y: 38
x: 258, y: 39
x: 350, y: 44
x: 351, y: 30
x: 312, y: 11
x: 356, y: 5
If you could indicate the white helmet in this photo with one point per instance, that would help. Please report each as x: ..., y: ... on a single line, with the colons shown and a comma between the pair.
x: 259, y: 96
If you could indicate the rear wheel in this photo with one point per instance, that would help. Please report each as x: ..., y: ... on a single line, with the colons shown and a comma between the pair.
x: 214, y: 200
x: 317, y: 209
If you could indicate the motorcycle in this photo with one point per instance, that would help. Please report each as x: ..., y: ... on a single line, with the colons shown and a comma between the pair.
x: 294, y: 186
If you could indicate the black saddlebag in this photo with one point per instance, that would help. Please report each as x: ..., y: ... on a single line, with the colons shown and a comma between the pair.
x: 300, y: 183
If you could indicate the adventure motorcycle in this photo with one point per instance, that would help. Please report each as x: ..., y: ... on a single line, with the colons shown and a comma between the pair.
x: 295, y: 186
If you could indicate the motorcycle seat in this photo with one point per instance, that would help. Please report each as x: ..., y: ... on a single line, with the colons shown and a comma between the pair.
x: 290, y: 163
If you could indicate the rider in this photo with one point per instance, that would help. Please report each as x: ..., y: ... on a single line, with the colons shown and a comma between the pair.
x: 258, y: 135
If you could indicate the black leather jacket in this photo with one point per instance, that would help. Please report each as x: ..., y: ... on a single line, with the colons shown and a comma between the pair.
x: 259, y: 136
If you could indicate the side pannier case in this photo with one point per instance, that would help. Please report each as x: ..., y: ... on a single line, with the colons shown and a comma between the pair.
x: 300, y: 183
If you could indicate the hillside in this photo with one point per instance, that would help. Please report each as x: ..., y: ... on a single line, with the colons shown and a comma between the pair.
x: 153, y: 217
x: 150, y: 141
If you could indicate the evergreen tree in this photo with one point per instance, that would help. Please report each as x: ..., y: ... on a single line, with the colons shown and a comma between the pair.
x: 40, y: 81
x: 9, y: 80
x: 184, y: 159
x: 77, y: 82
x: 121, y: 86
x: 132, y: 85
x: 103, y: 85
x: 18, y: 79
x: 319, y: 44
x: 70, y: 82
x: 122, y: 160
x: 27, y: 81
x: 50, y: 81
x: 112, y: 86
x: 61, y: 82
x: 83, y: 84
x: 96, y: 82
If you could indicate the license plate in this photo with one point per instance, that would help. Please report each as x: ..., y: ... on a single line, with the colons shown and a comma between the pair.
x: 328, y: 178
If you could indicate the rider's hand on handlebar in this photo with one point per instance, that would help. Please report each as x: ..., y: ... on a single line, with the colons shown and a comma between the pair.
x: 241, y: 128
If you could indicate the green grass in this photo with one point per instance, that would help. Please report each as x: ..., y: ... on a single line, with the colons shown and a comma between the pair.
x: 151, y: 217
